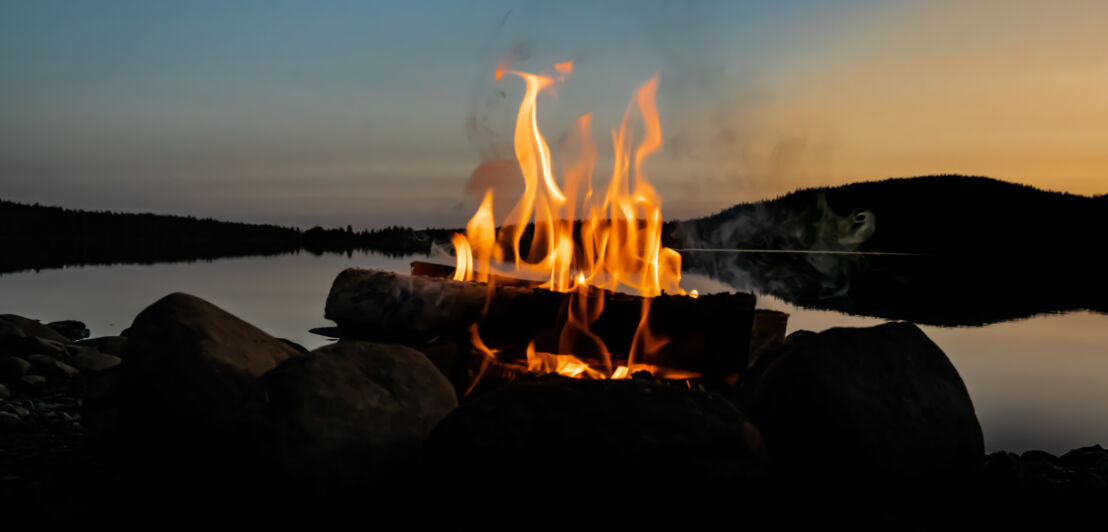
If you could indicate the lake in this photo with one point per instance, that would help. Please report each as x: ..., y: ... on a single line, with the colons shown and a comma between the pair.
x: 1036, y: 383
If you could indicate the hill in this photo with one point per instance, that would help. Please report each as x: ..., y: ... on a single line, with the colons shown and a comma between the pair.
x: 978, y: 249
x: 945, y: 214
x: 40, y: 237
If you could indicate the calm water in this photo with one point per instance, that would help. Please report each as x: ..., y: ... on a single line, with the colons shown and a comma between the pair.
x: 1036, y: 383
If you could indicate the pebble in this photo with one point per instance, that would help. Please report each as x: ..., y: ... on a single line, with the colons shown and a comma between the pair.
x: 34, y: 380
x: 76, y: 350
x: 14, y: 368
x: 8, y: 419
x: 17, y: 410
x: 52, y: 347
x: 5, y: 392
x: 44, y: 361
x: 66, y: 368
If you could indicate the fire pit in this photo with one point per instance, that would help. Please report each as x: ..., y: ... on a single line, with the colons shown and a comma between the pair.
x: 573, y: 282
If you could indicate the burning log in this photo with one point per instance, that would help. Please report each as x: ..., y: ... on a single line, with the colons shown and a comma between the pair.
x: 709, y: 335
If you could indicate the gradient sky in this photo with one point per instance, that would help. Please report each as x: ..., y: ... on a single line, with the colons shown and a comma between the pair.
x: 331, y: 113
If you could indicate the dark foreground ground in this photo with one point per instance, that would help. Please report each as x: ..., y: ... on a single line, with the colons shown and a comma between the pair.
x: 536, y: 454
x: 50, y: 477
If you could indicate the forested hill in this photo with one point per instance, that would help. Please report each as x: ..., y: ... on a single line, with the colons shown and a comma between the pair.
x: 945, y: 214
x: 38, y: 237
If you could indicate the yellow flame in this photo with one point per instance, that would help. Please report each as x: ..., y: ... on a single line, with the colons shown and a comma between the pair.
x: 463, y: 271
x: 616, y: 245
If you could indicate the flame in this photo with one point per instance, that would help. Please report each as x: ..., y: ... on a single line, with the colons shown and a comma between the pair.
x: 481, y: 231
x: 615, y: 246
x: 463, y: 271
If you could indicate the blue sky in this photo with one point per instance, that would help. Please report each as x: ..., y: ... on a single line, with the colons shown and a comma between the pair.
x: 356, y: 112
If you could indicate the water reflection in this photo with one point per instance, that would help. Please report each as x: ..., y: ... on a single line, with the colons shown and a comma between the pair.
x: 283, y: 295
x: 925, y: 289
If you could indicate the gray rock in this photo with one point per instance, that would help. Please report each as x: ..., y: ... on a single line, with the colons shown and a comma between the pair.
x: 112, y: 345
x: 195, y: 359
x: 14, y: 368
x: 42, y: 361
x: 1039, y: 456
x: 71, y: 329
x: 50, y: 347
x: 66, y: 369
x: 17, y: 410
x: 351, y: 414
x: 76, y: 349
x: 189, y: 366
x: 1085, y: 457
x: 13, y: 325
x: 8, y: 419
x: 865, y: 412
x: 96, y: 362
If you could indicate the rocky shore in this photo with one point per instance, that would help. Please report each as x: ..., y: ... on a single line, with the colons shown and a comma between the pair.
x: 193, y: 413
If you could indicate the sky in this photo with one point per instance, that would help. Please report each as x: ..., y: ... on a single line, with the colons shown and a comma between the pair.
x: 378, y: 113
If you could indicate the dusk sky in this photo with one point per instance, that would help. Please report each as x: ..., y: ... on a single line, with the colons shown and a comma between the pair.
x: 304, y: 113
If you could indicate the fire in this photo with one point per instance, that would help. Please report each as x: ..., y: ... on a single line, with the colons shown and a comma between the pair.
x: 613, y: 243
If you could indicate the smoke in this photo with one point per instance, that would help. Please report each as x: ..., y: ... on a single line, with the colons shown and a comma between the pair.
x: 803, y: 222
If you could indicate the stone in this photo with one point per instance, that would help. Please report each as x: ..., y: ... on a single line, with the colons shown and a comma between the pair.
x: 1085, y: 457
x: 189, y: 367
x: 13, y: 325
x: 112, y: 345
x: 1003, y: 466
x: 53, y: 348
x: 8, y: 419
x: 71, y: 329
x: 348, y: 416
x: 5, y: 392
x: 42, y: 361
x: 75, y: 350
x: 1039, y: 456
x: 876, y: 412
x: 554, y: 442
x: 95, y: 362
x: 14, y: 368
x: 17, y: 410
x: 66, y: 369
x: 35, y: 381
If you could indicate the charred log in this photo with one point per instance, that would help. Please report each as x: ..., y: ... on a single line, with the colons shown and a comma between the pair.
x: 710, y: 335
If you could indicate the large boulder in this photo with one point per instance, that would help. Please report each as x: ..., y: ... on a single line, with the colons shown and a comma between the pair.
x: 874, y: 413
x: 349, y: 417
x: 189, y: 366
x: 531, y: 452
x: 71, y: 329
x: 21, y: 336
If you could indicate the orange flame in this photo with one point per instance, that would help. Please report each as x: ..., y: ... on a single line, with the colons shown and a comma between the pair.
x: 616, y: 245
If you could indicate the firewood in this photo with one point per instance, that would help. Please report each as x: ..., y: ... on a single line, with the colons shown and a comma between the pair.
x: 709, y: 335
x: 430, y: 269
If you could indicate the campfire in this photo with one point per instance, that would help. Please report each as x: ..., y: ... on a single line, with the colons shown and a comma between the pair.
x: 573, y: 280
